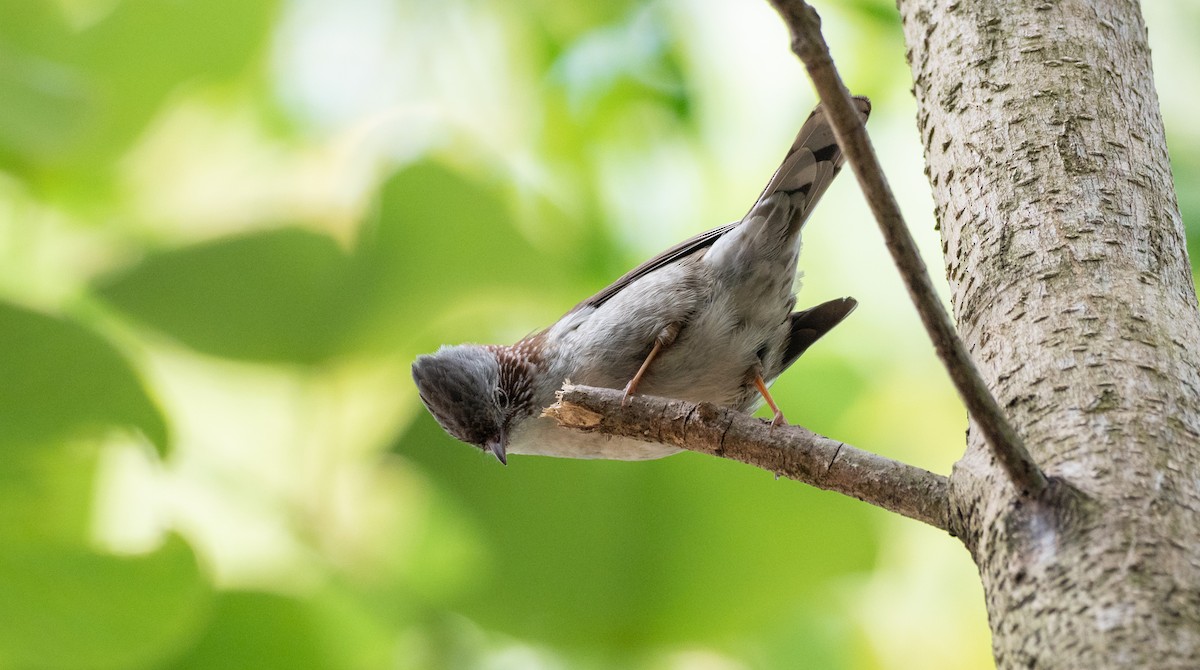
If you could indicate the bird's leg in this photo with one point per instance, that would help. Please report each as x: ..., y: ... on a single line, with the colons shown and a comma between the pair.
x: 762, y: 388
x: 664, y: 339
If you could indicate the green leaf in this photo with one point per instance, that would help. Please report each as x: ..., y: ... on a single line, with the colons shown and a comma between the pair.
x: 66, y: 608
x: 440, y: 238
x: 261, y: 631
x: 60, y: 380
x: 619, y: 66
x: 75, y: 98
x: 563, y: 23
x: 267, y: 296
x: 47, y: 493
x: 46, y: 106
x: 873, y: 13
x: 291, y: 295
x: 605, y: 556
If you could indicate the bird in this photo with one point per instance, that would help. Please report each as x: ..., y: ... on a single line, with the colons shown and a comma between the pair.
x: 708, y: 320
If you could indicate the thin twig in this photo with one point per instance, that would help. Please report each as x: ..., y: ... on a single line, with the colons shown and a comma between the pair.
x: 1006, y: 444
x: 789, y: 451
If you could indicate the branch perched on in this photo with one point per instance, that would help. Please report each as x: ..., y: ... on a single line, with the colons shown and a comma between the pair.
x: 789, y: 451
x: 809, y: 45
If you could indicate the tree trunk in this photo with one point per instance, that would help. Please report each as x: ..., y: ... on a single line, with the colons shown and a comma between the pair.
x: 1065, y: 254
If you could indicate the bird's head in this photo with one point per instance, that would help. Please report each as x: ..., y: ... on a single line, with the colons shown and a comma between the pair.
x: 464, y: 388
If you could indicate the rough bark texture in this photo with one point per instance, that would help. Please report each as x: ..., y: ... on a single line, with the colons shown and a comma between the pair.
x: 788, y: 451
x: 810, y: 47
x: 1065, y: 254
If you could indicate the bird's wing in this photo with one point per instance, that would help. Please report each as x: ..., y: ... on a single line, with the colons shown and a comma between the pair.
x: 684, y: 248
x: 809, y: 168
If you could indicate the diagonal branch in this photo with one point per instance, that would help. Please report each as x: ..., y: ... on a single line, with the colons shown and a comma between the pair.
x: 790, y: 451
x: 1006, y: 444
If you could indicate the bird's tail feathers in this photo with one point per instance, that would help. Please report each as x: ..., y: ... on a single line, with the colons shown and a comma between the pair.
x: 805, y: 174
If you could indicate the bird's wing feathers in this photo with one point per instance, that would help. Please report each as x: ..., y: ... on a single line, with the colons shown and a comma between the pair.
x: 667, y: 257
x: 807, y: 170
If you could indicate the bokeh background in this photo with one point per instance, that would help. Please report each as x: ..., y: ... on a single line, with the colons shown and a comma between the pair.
x: 228, y: 226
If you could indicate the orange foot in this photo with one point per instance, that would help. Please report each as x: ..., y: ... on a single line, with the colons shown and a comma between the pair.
x: 762, y: 388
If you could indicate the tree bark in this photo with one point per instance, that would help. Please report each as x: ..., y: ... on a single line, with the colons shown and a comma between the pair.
x: 788, y: 451
x: 1007, y: 446
x: 1070, y: 283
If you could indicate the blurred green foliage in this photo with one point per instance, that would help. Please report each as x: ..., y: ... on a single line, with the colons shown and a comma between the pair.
x: 268, y: 296
x: 67, y: 607
x: 38, y: 410
x: 75, y: 98
x: 226, y: 229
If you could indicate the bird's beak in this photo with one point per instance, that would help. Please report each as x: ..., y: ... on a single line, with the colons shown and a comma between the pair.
x: 496, y: 446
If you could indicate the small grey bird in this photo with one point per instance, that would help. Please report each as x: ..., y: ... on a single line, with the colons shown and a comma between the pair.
x: 708, y: 320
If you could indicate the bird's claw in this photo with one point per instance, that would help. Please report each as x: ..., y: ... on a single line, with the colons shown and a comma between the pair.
x: 629, y: 388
